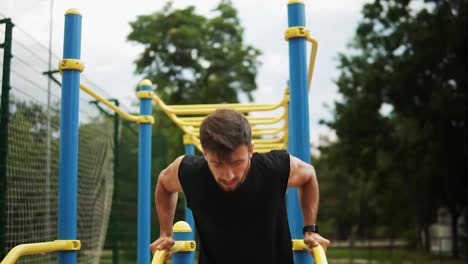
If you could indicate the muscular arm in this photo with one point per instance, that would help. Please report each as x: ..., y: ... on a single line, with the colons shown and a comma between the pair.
x: 302, y: 175
x: 166, y: 193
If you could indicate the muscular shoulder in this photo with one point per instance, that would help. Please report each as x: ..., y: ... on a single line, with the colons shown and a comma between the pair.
x: 191, y: 169
x: 192, y: 162
x: 273, y: 159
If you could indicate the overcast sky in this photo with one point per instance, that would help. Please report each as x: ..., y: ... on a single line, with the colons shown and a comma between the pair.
x: 108, y: 57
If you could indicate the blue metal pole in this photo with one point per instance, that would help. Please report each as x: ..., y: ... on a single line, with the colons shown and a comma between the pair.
x: 144, y: 179
x: 189, y: 150
x: 299, y: 119
x: 68, y: 168
x: 182, y: 232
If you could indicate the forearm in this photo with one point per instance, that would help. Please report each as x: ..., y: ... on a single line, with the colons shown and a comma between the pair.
x: 165, y: 207
x: 309, y: 199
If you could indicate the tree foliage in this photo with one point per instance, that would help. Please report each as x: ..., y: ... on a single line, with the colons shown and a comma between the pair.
x: 195, y: 59
x: 401, y: 125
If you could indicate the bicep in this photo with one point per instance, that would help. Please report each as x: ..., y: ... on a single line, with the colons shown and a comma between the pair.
x: 169, y: 177
x: 300, y: 172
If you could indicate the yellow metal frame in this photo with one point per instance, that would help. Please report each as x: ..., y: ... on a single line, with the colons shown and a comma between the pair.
x: 187, y: 246
x: 44, y: 247
x: 317, y: 252
x: 190, y: 117
x: 302, y: 32
x: 70, y: 64
x: 134, y: 118
x: 290, y: 2
x: 73, y: 11
x: 179, y: 246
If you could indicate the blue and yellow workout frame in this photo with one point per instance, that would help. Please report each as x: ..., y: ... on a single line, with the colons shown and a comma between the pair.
x: 71, y: 66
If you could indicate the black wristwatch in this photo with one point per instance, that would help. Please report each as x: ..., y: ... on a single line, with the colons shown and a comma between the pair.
x: 310, y: 228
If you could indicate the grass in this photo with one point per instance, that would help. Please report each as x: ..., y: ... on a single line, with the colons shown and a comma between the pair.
x: 351, y: 256
x: 384, y: 256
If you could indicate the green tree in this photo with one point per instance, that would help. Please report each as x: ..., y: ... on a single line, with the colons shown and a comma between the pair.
x: 195, y: 59
x: 408, y: 57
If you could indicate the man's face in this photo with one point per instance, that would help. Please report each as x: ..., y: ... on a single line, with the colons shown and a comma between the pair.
x: 229, y: 173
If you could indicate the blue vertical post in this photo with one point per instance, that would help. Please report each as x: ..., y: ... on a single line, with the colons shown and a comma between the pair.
x: 68, y: 169
x: 190, y: 259
x: 144, y: 179
x: 182, y: 232
x: 299, y: 119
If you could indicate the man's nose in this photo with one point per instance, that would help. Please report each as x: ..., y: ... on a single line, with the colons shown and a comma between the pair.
x: 228, y: 174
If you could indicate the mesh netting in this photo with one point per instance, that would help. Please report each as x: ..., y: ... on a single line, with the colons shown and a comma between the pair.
x: 33, y: 157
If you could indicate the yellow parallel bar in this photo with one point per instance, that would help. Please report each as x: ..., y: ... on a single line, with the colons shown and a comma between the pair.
x: 44, y: 247
x: 221, y: 105
x: 199, y: 119
x: 317, y: 252
x: 179, y: 246
x: 261, y: 148
x: 268, y: 120
x: 264, y: 141
x: 258, y: 142
x: 270, y: 146
x: 256, y: 131
x: 134, y: 118
x: 207, y: 109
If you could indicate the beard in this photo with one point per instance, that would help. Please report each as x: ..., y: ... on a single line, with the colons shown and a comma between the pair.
x: 234, y: 184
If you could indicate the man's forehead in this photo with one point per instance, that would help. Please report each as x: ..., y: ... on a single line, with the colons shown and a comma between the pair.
x: 237, y: 154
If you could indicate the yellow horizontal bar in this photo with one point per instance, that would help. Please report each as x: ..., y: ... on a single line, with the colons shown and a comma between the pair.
x: 129, y: 117
x: 261, y: 148
x: 317, y: 252
x: 268, y: 140
x: 201, y: 118
x: 270, y: 146
x: 185, y: 121
x: 256, y: 131
x: 179, y: 246
x: 44, y: 247
x: 209, y: 108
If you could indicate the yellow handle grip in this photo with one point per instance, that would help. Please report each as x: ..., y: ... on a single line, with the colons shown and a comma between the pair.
x: 319, y: 255
x: 179, y: 246
x: 159, y: 256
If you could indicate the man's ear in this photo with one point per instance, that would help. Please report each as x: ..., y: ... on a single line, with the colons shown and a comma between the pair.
x: 251, y: 149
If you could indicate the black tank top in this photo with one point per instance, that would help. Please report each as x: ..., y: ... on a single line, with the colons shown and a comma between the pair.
x: 248, y: 225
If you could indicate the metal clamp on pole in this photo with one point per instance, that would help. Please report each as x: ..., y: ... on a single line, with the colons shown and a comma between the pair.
x: 70, y: 64
x: 303, y: 32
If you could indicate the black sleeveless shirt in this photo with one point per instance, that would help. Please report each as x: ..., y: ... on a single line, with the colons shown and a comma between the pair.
x: 247, y: 225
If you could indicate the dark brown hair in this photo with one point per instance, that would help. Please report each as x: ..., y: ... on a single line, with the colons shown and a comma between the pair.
x: 223, y: 131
